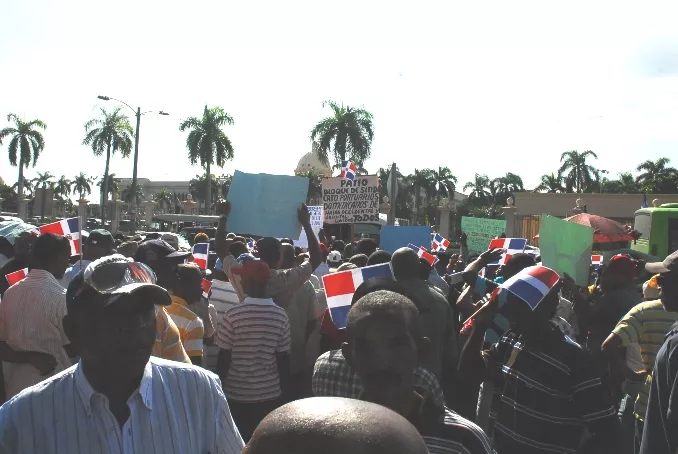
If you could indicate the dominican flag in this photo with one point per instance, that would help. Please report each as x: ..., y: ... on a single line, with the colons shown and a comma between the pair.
x: 340, y: 287
x: 206, y: 286
x: 439, y: 243
x: 70, y: 228
x: 532, y: 284
x: 423, y: 253
x: 200, y: 254
x: 251, y: 244
x: 16, y: 276
x: 348, y: 170
x: 596, y: 261
x: 511, y: 245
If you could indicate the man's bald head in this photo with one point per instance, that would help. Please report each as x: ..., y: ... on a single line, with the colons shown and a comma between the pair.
x: 333, y: 425
x: 405, y: 263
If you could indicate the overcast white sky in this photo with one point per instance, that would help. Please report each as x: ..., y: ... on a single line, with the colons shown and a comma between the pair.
x: 484, y: 87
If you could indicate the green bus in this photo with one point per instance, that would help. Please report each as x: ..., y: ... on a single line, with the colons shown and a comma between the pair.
x: 659, y: 229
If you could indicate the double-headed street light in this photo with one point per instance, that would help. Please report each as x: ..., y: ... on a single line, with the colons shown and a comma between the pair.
x: 137, y: 113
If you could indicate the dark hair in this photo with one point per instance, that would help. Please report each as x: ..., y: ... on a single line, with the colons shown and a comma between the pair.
x: 287, y: 241
x: 405, y: 264
x: 367, y: 246
x: 376, y: 284
x: 240, y: 238
x: 338, y: 245
x: 424, y: 268
x: 384, y: 303
x: 297, y: 250
x: 379, y: 257
x: 269, y: 250
x: 517, y: 263
x: 359, y: 260
x: 287, y: 254
x: 188, y: 271
x: 237, y: 248
x: 48, y: 247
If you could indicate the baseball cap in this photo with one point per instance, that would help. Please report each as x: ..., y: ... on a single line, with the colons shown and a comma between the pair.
x: 254, y: 269
x: 152, y: 251
x: 622, y: 264
x: 334, y: 257
x: 669, y: 265
x: 106, y: 279
x: 100, y: 237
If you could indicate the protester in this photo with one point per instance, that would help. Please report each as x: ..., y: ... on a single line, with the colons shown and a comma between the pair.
x: 334, y: 260
x: 346, y: 266
x: 99, y: 243
x: 118, y: 398
x: 659, y: 431
x: 359, y: 260
x: 201, y: 238
x: 434, y: 311
x: 384, y: 338
x: 366, y: 246
x: 379, y: 257
x: 23, y: 245
x: 128, y: 248
x: 334, y: 426
x: 323, y: 268
x: 186, y: 290
x: 254, y: 338
x: 31, y: 313
x: 549, y: 388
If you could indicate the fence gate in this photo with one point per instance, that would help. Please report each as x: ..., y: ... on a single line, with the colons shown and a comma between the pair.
x: 527, y: 227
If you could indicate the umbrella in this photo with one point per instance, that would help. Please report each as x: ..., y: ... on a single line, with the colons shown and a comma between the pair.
x: 604, y: 230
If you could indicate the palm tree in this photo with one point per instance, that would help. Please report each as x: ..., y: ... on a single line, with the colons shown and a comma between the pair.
x: 198, y: 188
x: 164, y: 199
x: 347, y: 133
x: 315, y: 186
x: 137, y: 196
x: 421, y: 181
x: 551, y: 183
x: 112, y: 186
x: 444, y: 182
x: 479, y: 188
x: 624, y: 184
x: 207, y: 143
x: 81, y: 185
x: 27, y: 142
x: 579, y: 173
x: 109, y: 133
x: 28, y: 187
x: 653, y: 169
x: 62, y: 188
x: 43, y: 179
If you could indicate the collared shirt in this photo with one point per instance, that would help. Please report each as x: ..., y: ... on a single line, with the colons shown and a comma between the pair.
x: 549, y: 395
x: 178, y: 408
x: 254, y: 331
x: 31, y: 313
x: 191, y: 327
x: 646, y: 325
x: 167, y: 339
x: 438, y: 282
x: 281, y: 285
x: 333, y: 377
x: 300, y: 311
x: 223, y: 297
x: 73, y: 271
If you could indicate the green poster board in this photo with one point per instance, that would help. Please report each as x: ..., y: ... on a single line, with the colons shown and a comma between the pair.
x: 566, y: 247
x: 480, y: 231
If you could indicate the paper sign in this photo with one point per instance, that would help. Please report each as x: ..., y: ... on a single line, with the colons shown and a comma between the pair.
x: 351, y: 202
x: 316, y: 224
x: 394, y: 237
x: 480, y: 231
x: 566, y: 247
x: 266, y: 205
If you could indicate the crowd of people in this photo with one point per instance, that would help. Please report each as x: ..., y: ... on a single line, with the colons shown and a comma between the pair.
x: 122, y: 350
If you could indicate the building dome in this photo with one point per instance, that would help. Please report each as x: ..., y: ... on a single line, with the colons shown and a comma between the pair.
x: 311, y: 161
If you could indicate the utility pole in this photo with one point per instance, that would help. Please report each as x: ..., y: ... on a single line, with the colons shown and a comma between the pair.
x: 393, y: 182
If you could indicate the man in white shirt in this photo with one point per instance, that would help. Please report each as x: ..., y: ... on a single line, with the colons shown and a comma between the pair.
x: 119, y: 399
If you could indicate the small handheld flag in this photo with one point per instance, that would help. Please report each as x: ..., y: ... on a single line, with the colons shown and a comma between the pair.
x: 596, y: 261
x: 348, y: 170
x: 532, y: 284
x: 439, y: 243
x: 200, y: 254
x: 340, y: 287
x: 206, y: 286
x: 13, y: 278
x: 70, y: 228
x: 423, y: 253
x: 511, y: 245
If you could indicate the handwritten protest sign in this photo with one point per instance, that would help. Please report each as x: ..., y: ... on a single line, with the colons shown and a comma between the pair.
x: 316, y: 224
x: 393, y: 237
x: 266, y: 205
x: 351, y: 202
x: 480, y: 231
x: 565, y: 247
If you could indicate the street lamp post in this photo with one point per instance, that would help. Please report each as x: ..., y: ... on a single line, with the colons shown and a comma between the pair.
x: 137, y: 114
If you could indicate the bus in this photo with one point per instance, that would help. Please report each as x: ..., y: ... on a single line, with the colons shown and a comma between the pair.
x: 658, y: 227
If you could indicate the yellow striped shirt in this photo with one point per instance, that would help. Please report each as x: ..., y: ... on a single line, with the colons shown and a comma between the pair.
x: 191, y: 327
x: 646, y: 325
x: 167, y: 341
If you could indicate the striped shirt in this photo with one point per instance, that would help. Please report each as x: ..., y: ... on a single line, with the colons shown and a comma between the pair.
x: 191, y: 327
x: 31, y: 313
x: 301, y: 310
x: 549, y: 394
x: 254, y: 332
x: 178, y: 408
x: 222, y: 297
x: 646, y: 325
x: 233, y: 279
x: 167, y: 340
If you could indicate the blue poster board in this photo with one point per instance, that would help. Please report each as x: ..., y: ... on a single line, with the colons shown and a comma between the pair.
x: 266, y: 205
x: 394, y: 237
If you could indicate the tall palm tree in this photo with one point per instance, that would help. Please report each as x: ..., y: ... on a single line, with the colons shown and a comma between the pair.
x: 81, y: 185
x: 110, y: 133
x: 624, y: 184
x: 444, y: 182
x: 420, y: 182
x: 28, y: 187
x: 26, y: 142
x: 43, y: 179
x: 112, y: 186
x: 137, y: 196
x: 653, y: 169
x: 479, y: 188
x: 348, y: 133
x: 164, y: 199
x: 577, y: 173
x: 198, y: 188
x: 551, y: 183
x: 62, y: 188
x: 207, y: 143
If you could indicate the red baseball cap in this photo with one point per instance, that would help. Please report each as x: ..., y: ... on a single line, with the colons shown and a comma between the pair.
x: 624, y: 265
x: 254, y: 269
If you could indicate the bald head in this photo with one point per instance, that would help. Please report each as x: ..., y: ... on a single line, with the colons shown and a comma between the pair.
x: 405, y: 263
x: 333, y: 425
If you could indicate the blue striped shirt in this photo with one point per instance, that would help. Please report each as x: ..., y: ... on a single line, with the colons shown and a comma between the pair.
x: 178, y: 408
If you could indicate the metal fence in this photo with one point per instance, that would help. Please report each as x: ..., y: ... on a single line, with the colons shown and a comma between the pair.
x: 527, y: 227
